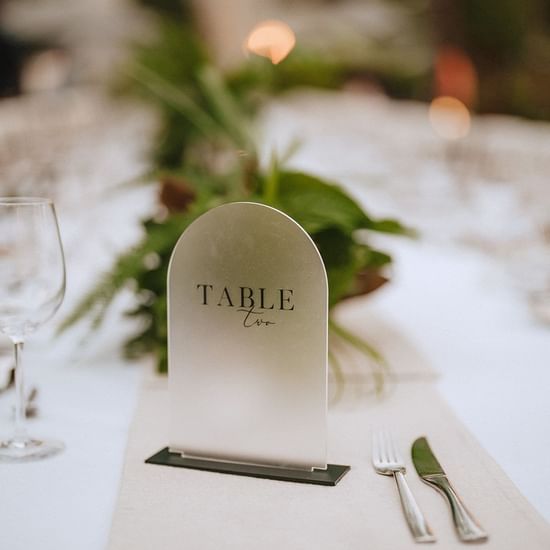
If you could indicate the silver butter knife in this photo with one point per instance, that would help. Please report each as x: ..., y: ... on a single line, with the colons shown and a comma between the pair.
x: 431, y: 472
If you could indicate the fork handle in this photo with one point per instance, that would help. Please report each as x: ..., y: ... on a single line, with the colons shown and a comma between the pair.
x: 417, y: 524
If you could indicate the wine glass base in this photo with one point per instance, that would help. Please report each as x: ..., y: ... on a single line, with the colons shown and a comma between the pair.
x: 14, y: 450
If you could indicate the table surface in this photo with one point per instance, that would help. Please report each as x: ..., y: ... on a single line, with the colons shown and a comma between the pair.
x: 452, y: 302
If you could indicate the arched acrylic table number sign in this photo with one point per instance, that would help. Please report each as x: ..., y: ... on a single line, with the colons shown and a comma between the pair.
x: 247, y: 348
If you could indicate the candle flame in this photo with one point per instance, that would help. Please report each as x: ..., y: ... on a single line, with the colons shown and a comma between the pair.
x: 272, y: 39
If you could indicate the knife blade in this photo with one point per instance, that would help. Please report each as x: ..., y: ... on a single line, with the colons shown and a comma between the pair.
x: 432, y: 473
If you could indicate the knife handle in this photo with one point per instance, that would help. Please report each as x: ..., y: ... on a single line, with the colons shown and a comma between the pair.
x: 467, y: 528
x: 417, y: 524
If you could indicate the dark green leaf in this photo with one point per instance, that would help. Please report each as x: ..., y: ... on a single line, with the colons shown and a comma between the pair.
x: 317, y: 205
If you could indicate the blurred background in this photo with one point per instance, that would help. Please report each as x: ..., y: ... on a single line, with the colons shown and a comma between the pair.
x: 440, y: 120
x: 492, y: 56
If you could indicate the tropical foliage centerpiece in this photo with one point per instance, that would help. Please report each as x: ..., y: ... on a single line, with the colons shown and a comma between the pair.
x: 205, y: 155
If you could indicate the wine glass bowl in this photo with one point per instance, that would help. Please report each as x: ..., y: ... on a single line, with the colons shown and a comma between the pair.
x: 32, y: 286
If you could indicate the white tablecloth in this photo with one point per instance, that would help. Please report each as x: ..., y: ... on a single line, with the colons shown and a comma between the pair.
x: 452, y: 303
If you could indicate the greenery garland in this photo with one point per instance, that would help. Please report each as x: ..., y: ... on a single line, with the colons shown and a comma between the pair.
x: 205, y: 156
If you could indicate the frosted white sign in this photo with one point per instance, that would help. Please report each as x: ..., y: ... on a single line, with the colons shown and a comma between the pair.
x: 247, y: 345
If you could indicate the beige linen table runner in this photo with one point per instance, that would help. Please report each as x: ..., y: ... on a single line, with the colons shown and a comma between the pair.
x: 175, y: 508
x: 169, y: 508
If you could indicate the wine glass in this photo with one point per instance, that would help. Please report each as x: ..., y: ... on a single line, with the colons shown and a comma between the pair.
x: 32, y: 286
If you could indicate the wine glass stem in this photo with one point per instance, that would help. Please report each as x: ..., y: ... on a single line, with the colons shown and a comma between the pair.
x: 20, y: 401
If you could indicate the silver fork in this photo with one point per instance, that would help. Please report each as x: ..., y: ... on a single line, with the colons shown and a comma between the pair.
x: 387, y: 461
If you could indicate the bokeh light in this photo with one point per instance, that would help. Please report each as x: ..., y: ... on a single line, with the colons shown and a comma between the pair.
x: 455, y: 75
x: 449, y: 117
x: 272, y: 39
